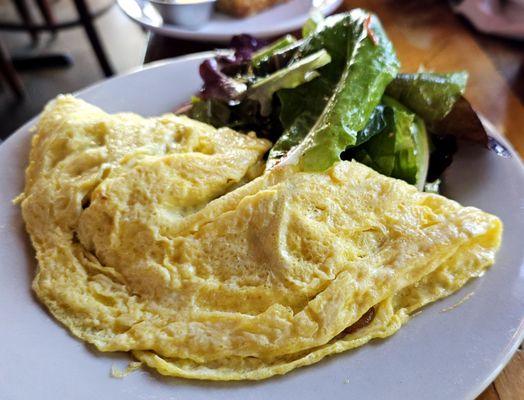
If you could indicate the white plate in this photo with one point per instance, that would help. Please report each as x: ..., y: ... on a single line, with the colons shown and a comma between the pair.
x: 275, y: 21
x: 437, y: 355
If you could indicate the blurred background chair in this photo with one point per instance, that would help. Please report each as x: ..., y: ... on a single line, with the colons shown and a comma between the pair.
x: 47, y: 22
x: 8, y: 71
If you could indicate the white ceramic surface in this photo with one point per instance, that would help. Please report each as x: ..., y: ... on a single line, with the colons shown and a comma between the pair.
x: 275, y: 21
x: 437, y: 355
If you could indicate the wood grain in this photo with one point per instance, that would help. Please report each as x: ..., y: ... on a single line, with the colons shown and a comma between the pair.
x: 489, y: 394
x: 510, y: 383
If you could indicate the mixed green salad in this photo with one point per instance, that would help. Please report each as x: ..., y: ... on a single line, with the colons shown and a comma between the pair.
x: 337, y: 94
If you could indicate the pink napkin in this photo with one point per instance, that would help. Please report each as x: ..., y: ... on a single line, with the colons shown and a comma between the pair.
x: 505, y: 18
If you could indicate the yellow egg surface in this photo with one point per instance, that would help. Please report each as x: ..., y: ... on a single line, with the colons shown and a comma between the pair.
x: 160, y: 236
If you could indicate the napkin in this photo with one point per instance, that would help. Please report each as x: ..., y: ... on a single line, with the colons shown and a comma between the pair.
x: 499, y: 17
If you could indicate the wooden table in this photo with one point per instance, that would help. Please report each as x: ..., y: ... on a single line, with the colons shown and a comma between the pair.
x: 428, y: 35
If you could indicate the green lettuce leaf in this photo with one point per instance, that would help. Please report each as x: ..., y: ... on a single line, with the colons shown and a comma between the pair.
x: 376, y: 124
x: 265, y: 53
x: 341, y: 101
x: 288, y: 78
x: 300, y: 108
x: 400, y: 149
x: 431, y: 96
x: 212, y: 112
x: 314, y: 20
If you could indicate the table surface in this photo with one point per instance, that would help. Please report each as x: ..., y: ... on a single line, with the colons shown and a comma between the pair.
x: 428, y: 35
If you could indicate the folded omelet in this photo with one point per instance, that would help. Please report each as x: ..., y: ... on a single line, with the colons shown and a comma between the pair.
x: 161, y: 237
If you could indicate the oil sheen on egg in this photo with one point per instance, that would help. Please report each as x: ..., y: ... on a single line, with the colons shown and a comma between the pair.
x: 162, y: 237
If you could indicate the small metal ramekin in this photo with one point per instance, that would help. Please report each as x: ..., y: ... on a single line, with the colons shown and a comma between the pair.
x: 186, y: 13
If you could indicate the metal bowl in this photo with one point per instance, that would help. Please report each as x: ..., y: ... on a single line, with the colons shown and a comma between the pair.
x: 186, y: 13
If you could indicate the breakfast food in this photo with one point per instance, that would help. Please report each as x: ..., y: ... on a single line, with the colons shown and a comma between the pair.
x: 163, y: 237
x: 245, y: 8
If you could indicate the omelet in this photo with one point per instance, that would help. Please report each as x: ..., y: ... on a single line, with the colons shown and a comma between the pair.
x: 163, y: 237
